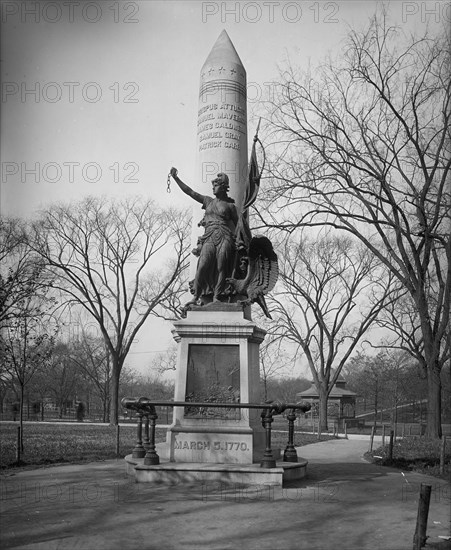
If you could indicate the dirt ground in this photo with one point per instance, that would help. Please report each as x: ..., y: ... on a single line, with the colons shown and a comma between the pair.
x: 345, y: 502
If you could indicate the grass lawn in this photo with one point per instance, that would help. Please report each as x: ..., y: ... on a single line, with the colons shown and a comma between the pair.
x: 415, y: 453
x: 52, y: 443
x: 56, y: 443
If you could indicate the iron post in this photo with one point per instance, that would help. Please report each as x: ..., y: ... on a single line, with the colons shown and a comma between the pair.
x: 290, y: 454
x: 268, y: 458
x: 139, y: 451
x: 152, y: 458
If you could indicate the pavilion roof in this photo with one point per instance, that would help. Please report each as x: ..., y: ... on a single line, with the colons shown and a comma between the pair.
x: 336, y: 392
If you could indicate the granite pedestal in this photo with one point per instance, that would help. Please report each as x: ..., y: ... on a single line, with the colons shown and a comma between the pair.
x: 217, y: 361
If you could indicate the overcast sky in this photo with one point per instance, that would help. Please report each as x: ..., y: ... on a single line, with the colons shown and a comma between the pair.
x: 102, y: 97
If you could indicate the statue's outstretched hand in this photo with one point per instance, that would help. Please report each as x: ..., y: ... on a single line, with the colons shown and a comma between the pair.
x: 173, y: 172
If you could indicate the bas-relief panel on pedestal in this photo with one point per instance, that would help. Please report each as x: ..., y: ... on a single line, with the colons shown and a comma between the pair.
x: 213, y: 374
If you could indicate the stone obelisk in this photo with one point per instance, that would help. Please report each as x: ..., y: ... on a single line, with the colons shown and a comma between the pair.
x: 222, y: 119
x: 221, y: 124
x: 216, y: 431
x: 218, y: 344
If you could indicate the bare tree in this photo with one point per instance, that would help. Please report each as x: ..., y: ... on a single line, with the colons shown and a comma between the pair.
x: 61, y: 379
x: 92, y: 360
x: 371, y: 375
x: 121, y: 261
x: 21, y: 270
x: 330, y: 294
x: 165, y: 361
x: 26, y: 337
x: 26, y: 346
x: 385, y: 381
x: 364, y: 146
x: 364, y: 375
x: 149, y: 385
x: 402, y: 321
x: 287, y: 388
x: 273, y: 360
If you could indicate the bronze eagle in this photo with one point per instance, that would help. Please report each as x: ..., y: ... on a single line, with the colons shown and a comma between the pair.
x: 261, y: 276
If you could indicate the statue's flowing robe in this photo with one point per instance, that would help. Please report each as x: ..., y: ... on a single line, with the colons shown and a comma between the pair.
x: 217, y: 247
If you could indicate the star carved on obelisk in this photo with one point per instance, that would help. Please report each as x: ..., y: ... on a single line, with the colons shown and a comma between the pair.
x: 211, y: 70
x: 232, y: 71
x: 221, y: 69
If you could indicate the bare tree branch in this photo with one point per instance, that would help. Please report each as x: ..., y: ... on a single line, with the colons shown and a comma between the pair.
x: 364, y: 146
x: 121, y: 261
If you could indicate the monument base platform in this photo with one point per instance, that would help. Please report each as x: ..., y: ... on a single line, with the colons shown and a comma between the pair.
x: 238, y: 437
x: 186, y: 472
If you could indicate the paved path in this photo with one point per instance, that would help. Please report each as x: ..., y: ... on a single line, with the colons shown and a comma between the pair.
x: 345, y: 503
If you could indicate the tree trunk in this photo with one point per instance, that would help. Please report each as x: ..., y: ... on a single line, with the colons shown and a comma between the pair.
x: 106, y: 399
x: 322, y: 421
x: 21, y: 417
x: 376, y: 395
x: 431, y: 354
x: 395, y: 412
x: 114, y: 407
x: 434, y: 406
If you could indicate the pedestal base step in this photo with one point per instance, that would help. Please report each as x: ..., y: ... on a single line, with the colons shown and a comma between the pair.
x: 186, y: 472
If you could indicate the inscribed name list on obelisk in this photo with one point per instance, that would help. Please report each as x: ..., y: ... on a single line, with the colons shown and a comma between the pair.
x: 222, y: 119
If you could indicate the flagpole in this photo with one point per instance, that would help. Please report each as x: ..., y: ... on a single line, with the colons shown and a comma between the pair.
x: 243, y: 222
x: 256, y: 131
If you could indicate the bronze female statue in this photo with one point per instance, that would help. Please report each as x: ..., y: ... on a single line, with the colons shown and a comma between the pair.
x: 216, y: 248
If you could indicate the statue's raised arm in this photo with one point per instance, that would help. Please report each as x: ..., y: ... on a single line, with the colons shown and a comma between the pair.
x: 186, y: 188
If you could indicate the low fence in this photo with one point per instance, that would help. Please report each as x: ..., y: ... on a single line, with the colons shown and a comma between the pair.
x: 146, y: 413
x: 400, y: 429
x: 70, y: 415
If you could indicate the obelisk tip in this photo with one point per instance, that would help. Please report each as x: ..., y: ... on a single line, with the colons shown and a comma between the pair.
x: 224, y: 49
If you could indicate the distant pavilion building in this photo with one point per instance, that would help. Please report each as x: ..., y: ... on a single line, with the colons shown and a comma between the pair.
x: 341, y: 402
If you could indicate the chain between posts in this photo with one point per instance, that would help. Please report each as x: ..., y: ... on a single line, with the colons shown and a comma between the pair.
x: 145, y: 408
